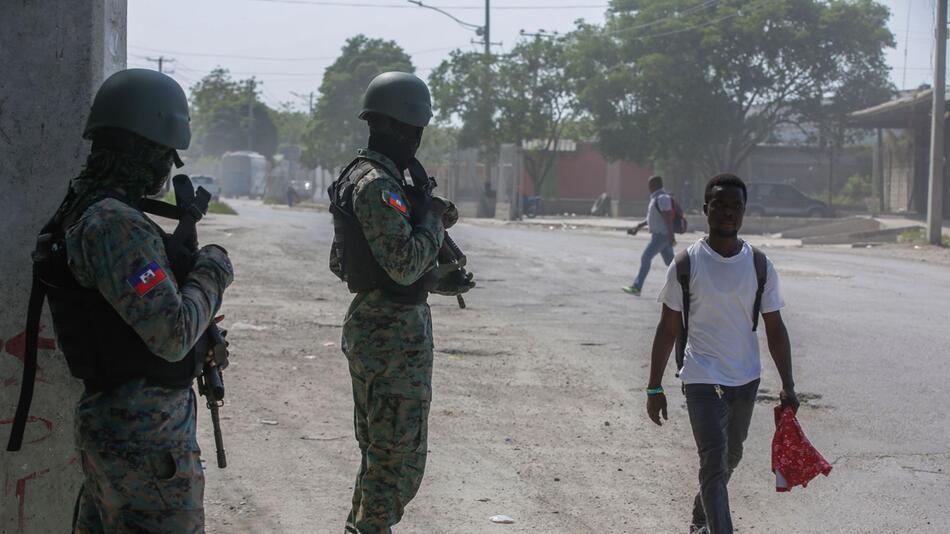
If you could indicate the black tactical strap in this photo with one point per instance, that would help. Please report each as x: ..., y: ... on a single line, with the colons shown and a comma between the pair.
x: 159, y: 208
x: 682, y: 274
x: 761, y: 273
x: 35, y: 309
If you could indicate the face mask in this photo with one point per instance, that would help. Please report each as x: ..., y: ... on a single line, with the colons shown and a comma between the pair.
x: 161, y: 170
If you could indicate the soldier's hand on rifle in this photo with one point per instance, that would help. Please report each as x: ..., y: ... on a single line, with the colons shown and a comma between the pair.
x: 454, y: 283
x: 445, y: 209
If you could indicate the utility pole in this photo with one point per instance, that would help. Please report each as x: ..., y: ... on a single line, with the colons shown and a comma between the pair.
x: 937, y: 116
x: 251, y: 97
x: 485, y: 33
x: 161, y: 60
x: 306, y: 97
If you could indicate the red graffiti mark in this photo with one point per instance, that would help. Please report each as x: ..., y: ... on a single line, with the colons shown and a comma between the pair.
x: 21, y: 496
x: 33, y: 419
x: 16, y: 347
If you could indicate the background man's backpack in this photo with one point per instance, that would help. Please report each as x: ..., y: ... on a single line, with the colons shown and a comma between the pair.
x: 679, y: 218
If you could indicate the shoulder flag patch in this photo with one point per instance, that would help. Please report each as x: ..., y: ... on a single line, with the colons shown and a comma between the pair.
x: 393, y: 199
x: 146, y: 278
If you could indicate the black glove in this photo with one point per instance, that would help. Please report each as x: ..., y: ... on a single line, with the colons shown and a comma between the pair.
x: 454, y: 283
x: 420, y: 192
x: 420, y: 204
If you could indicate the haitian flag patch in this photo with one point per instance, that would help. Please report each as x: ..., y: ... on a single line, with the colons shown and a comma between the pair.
x: 394, y: 200
x: 146, y: 278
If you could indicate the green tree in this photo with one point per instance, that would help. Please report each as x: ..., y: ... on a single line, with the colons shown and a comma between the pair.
x: 222, y: 112
x: 291, y: 124
x: 335, y: 131
x: 439, y: 143
x: 707, y: 82
x: 531, y: 98
x: 537, y: 101
x: 462, y: 91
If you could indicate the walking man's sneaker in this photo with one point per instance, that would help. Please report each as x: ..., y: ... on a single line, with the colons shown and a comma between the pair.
x: 698, y: 529
x: 630, y: 290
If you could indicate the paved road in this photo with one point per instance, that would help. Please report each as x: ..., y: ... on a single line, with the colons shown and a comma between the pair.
x: 538, y: 396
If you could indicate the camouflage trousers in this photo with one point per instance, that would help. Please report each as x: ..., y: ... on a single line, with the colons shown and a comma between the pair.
x: 391, y: 395
x: 141, y: 491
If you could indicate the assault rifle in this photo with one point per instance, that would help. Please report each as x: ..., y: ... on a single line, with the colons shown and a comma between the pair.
x: 452, y: 264
x: 211, y: 349
x: 451, y: 259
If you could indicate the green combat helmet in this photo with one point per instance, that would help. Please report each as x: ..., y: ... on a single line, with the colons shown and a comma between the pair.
x: 399, y: 95
x: 144, y: 102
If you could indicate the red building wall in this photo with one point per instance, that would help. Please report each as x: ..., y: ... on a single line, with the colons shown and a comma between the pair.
x: 586, y: 173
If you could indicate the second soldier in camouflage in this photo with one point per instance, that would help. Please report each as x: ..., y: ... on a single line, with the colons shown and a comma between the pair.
x: 387, y: 236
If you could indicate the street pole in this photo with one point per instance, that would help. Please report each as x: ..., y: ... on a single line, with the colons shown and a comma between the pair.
x: 160, y: 60
x: 488, y: 28
x: 935, y: 189
x: 250, y: 115
x: 488, y: 107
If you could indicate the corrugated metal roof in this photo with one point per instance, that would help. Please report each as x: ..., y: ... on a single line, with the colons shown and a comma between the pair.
x: 907, y: 111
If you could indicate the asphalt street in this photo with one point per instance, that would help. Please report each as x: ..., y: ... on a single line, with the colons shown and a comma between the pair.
x: 538, y: 409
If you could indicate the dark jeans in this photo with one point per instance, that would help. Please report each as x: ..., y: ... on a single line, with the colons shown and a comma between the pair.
x: 720, y: 417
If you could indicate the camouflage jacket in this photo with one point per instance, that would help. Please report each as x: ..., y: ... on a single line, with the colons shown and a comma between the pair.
x: 373, y: 323
x: 106, y: 246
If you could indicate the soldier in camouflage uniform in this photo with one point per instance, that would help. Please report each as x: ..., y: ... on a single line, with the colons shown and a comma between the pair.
x: 387, y: 237
x: 135, y: 422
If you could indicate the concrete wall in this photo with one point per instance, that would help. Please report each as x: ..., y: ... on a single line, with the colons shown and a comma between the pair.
x: 54, y: 55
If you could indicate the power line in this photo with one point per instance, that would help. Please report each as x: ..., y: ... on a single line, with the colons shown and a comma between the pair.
x: 706, y: 4
x: 461, y: 7
x: 160, y: 60
x: 267, y: 58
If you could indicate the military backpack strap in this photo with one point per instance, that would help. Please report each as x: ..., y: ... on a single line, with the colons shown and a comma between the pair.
x: 34, y: 310
x: 761, y: 273
x: 51, y: 232
x: 682, y: 276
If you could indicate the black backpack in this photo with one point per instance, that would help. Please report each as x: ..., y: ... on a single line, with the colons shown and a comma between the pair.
x: 683, y: 274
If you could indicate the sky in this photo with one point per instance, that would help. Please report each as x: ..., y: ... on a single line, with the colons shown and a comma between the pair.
x: 287, y: 44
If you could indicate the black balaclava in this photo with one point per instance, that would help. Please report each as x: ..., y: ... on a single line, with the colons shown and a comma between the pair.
x: 124, y: 161
x: 396, y: 140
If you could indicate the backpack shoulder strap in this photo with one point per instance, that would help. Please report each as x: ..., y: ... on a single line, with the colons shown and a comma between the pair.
x: 683, y: 266
x: 761, y: 273
x: 52, y: 230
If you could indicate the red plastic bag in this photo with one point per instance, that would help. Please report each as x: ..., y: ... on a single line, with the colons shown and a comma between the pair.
x: 795, y: 461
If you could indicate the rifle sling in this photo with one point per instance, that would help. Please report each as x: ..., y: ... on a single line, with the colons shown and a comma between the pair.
x: 35, y: 309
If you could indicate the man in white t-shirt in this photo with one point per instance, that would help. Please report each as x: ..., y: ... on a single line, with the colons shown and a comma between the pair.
x: 660, y: 222
x: 721, y: 365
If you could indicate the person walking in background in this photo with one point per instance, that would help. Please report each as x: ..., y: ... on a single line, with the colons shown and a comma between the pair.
x: 713, y: 295
x: 660, y: 223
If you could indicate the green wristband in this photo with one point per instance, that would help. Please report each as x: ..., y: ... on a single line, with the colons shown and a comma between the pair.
x: 654, y: 391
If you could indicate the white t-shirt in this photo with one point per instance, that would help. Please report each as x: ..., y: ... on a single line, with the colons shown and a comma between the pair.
x: 722, y: 348
x: 659, y: 201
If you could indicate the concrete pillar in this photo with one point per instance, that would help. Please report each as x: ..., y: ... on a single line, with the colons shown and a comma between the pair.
x: 54, y: 55
x: 877, y: 173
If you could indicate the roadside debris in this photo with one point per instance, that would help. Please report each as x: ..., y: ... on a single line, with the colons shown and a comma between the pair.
x: 270, y: 422
x: 502, y: 519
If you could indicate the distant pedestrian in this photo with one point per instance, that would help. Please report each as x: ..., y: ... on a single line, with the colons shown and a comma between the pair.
x: 715, y: 317
x: 291, y: 194
x: 662, y: 239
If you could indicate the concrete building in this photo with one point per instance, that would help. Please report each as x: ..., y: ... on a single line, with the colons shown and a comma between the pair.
x: 902, y: 150
x: 55, y: 55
